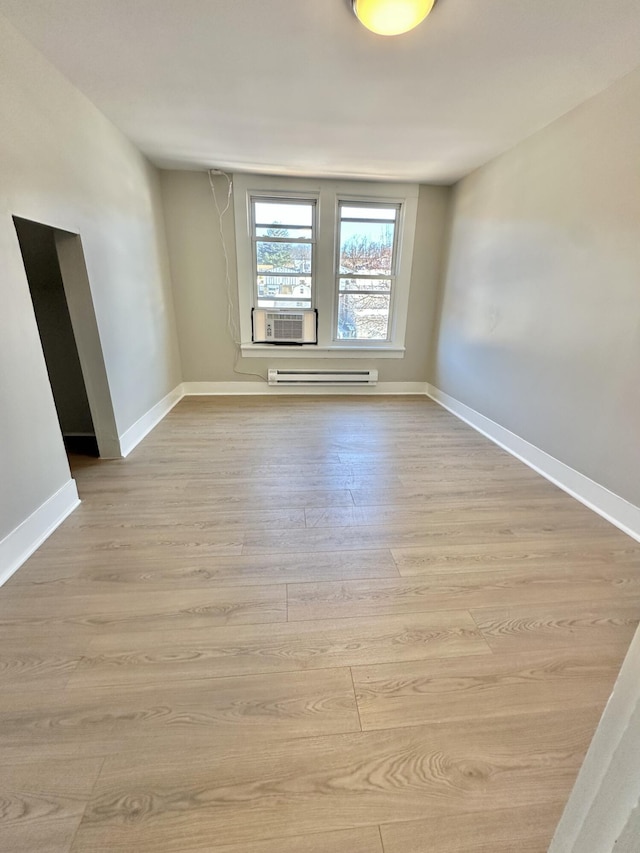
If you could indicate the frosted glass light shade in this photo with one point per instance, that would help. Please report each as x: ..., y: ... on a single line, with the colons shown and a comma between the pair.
x: 391, y: 17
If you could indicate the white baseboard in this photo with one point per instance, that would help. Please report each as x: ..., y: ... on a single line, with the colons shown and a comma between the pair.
x: 615, y: 509
x: 223, y: 389
x: 143, y: 426
x: 20, y: 544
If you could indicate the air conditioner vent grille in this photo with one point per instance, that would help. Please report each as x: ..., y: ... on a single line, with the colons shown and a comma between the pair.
x: 286, y: 328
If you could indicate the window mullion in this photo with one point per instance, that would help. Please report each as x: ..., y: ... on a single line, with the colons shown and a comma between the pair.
x: 367, y: 277
x: 297, y: 240
x: 365, y: 292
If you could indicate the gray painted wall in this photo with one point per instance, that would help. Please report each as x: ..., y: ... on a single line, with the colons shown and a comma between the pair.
x: 198, y: 273
x: 62, y: 163
x: 540, y: 318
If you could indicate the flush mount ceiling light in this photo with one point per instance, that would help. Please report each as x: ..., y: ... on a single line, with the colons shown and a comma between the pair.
x: 391, y: 17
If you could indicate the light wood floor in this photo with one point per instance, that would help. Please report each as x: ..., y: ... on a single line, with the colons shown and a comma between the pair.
x: 308, y: 625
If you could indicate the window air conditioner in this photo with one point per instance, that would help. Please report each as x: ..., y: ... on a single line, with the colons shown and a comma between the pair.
x: 290, y: 326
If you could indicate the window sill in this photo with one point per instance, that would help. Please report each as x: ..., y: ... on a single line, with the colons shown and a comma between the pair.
x: 313, y: 351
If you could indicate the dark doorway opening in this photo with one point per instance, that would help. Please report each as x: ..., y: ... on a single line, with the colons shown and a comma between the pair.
x: 40, y: 257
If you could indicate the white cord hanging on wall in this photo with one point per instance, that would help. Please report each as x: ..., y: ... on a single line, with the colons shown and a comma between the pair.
x: 232, y: 312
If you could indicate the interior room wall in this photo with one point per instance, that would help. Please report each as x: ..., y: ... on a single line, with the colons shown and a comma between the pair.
x: 63, y: 164
x: 198, y: 274
x: 540, y: 314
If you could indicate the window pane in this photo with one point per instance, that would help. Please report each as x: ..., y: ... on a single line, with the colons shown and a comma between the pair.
x: 363, y: 317
x: 283, y: 257
x: 298, y: 287
x: 383, y: 284
x: 349, y: 212
x: 293, y: 232
x: 283, y: 213
x: 366, y: 247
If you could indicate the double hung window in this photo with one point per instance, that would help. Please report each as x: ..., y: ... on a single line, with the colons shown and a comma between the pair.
x: 283, y: 232
x: 366, y: 266
x: 343, y: 248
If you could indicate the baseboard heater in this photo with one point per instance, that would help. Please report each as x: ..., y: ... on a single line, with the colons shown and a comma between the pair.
x: 322, y: 377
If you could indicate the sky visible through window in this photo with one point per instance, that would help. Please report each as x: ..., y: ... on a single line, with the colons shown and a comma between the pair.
x: 275, y: 213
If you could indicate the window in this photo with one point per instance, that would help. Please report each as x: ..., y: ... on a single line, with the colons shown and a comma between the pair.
x: 366, y: 267
x: 283, y: 233
x: 344, y: 248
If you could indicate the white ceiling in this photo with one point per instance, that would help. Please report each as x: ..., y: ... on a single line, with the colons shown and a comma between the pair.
x: 300, y: 87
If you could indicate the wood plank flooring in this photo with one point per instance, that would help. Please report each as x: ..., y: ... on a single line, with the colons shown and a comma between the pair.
x: 308, y: 625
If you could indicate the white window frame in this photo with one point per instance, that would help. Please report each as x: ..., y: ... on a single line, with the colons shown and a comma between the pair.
x: 328, y: 195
